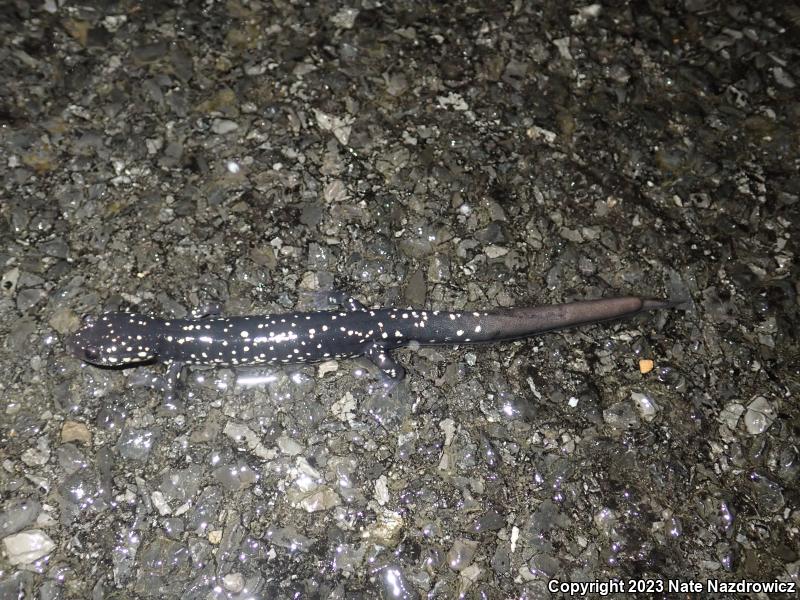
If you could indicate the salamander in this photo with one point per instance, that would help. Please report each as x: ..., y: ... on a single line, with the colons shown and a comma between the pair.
x: 120, y: 339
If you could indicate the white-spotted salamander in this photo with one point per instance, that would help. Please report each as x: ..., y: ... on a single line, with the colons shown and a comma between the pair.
x: 120, y: 340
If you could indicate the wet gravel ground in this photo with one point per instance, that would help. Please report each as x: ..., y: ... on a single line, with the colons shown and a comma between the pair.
x: 157, y: 156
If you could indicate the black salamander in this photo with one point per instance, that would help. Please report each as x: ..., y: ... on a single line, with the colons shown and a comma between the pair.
x: 119, y: 340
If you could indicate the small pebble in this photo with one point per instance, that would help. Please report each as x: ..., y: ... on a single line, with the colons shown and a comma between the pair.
x: 233, y: 582
x: 495, y: 251
x: 215, y: 536
x: 329, y: 366
x: 27, y: 546
x: 461, y: 554
x: 223, y: 126
x: 759, y: 416
x: 730, y: 415
x: 322, y: 499
x: 74, y: 431
x: 288, y: 446
x: 621, y: 415
x: 645, y: 405
x: 64, y: 321
x: 18, y: 514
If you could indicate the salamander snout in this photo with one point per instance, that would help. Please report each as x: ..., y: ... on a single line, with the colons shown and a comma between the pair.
x: 114, y: 340
x: 82, y: 345
x: 79, y: 349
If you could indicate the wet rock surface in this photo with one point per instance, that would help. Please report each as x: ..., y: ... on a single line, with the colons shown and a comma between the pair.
x: 159, y: 157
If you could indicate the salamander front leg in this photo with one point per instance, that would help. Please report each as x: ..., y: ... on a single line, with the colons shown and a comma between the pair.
x: 205, y: 311
x: 380, y: 356
x: 171, y: 380
x: 345, y: 300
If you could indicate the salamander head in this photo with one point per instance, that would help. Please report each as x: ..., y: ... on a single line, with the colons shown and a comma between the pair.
x: 116, y: 340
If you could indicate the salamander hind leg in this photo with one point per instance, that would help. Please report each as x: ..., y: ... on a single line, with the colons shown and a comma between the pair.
x: 344, y: 300
x: 382, y: 358
x: 171, y: 379
x: 205, y: 311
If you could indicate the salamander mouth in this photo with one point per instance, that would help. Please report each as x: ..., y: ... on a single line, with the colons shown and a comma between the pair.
x: 94, y: 355
x: 123, y: 366
x: 91, y: 354
x: 85, y: 352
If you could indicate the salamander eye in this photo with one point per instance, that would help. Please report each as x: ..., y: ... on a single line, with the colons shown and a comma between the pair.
x: 88, y: 320
x: 91, y: 353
